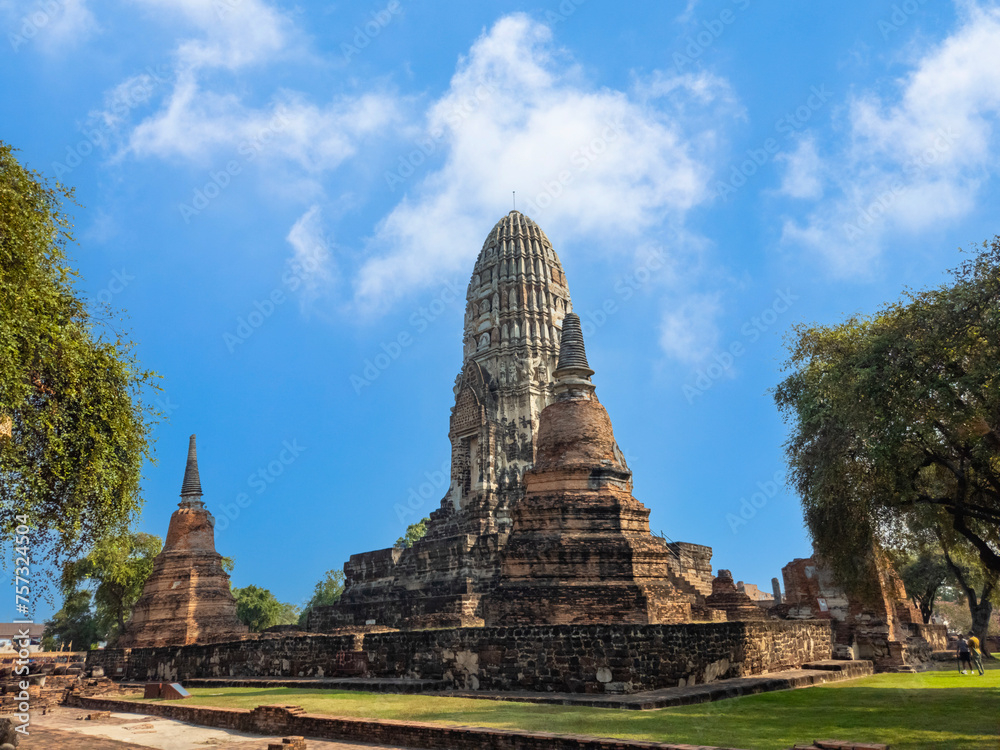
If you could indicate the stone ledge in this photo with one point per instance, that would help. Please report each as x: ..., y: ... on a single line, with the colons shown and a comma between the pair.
x: 839, y: 745
x: 815, y: 673
x: 364, y: 684
x: 289, y: 720
x: 685, y: 696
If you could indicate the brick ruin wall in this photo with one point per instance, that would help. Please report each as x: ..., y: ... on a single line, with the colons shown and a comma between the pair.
x: 287, y: 656
x: 936, y: 635
x: 694, y: 564
x: 598, y: 658
x: 566, y: 658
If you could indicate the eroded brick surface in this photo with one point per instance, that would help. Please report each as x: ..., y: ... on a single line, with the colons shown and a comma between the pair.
x: 187, y: 599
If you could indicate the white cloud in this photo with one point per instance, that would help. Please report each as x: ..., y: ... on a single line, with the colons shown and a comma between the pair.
x: 54, y: 26
x: 312, y: 264
x: 689, y: 332
x: 913, y: 162
x: 197, y: 124
x: 234, y: 33
x: 588, y: 162
x: 688, y: 14
x: 204, y: 122
x: 802, y: 171
x: 74, y: 24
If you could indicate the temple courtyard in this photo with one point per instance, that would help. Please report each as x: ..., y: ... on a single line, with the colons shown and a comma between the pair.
x: 538, y: 611
x: 934, y: 709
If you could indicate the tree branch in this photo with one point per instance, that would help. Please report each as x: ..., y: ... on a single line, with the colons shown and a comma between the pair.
x: 990, y: 558
x: 957, y: 571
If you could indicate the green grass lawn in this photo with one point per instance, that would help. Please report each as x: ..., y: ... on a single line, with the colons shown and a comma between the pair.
x: 941, y: 710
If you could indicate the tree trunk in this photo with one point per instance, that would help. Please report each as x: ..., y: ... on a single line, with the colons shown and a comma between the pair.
x: 980, y: 607
x: 926, y: 604
x: 981, y: 614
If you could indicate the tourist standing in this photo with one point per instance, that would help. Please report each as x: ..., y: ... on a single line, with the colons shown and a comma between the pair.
x: 977, y: 654
x: 964, y: 658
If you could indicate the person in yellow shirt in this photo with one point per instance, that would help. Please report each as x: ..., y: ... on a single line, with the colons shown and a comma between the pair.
x: 977, y: 655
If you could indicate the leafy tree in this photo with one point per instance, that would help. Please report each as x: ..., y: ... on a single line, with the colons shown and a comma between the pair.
x: 414, y: 533
x: 75, y: 624
x: 74, y: 429
x: 924, y: 571
x: 895, y: 420
x: 118, y: 569
x: 288, y: 614
x: 257, y: 608
x: 327, y: 591
x: 981, y: 588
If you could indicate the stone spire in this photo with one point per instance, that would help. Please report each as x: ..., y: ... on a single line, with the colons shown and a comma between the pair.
x: 572, y: 374
x: 580, y: 550
x: 187, y: 598
x: 191, y: 487
x: 571, y: 349
x: 516, y: 301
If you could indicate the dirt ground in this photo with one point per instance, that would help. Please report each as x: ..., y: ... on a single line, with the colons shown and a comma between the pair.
x: 65, y: 728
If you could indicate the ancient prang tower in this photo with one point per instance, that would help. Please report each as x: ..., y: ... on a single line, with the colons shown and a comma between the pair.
x: 187, y: 597
x: 516, y: 302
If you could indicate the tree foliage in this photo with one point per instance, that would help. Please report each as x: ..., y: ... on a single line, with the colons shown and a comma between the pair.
x: 924, y: 571
x: 117, y: 568
x: 74, y: 429
x: 258, y: 608
x: 328, y: 590
x: 895, y: 420
x: 288, y: 614
x: 74, y: 625
x: 414, y: 533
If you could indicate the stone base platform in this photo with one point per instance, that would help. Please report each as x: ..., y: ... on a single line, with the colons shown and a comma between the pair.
x: 814, y: 673
x: 949, y: 655
x: 817, y: 673
x: 361, y: 684
x: 584, y: 659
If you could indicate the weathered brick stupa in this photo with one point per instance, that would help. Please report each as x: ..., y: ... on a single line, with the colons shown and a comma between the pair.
x: 580, y: 551
x: 516, y: 302
x: 187, y: 598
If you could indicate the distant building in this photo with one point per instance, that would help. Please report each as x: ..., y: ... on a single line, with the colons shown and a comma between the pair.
x: 11, y: 630
x: 754, y: 593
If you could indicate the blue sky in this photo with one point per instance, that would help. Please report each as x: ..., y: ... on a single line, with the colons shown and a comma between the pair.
x: 275, y: 192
